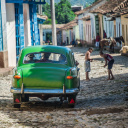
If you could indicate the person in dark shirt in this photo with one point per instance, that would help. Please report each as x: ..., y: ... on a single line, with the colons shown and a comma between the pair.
x: 108, y: 61
x: 104, y: 34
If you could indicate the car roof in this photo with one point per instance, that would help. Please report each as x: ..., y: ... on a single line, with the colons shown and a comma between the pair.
x: 45, y: 48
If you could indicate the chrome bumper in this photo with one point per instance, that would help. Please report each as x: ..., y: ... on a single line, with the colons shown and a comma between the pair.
x: 45, y: 91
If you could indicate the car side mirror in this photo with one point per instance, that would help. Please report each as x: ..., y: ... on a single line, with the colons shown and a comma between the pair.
x: 77, y: 63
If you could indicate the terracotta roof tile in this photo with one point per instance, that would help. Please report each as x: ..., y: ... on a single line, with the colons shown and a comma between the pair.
x: 108, y: 7
x: 86, y: 18
x: 122, y: 8
x: 42, y: 16
x: 49, y: 26
x: 87, y: 8
x: 70, y: 24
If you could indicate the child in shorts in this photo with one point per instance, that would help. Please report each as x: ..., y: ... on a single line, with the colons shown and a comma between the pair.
x: 108, y: 61
x: 87, y: 63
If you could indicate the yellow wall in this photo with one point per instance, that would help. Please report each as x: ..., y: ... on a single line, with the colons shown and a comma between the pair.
x: 100, y: 25
x: 124, y: 22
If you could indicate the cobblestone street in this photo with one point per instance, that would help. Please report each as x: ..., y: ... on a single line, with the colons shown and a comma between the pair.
x: 100, y: 103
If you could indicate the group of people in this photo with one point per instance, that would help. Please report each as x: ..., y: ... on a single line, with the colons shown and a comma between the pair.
x: 109, y: 60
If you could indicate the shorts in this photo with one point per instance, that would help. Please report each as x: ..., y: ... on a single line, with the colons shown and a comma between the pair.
x: 87, y: 66
x: 110, y: 64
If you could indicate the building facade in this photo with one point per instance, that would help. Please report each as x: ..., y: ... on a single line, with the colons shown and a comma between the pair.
x: 21, y: 28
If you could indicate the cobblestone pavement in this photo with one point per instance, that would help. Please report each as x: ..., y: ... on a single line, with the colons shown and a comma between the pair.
x: 100, y: 103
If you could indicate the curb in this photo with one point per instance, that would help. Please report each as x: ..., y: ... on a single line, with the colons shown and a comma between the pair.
x: 6, y: 71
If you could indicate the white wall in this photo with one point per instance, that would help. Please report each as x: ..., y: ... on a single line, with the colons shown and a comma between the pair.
x: 80, y: 23
x: 118, y: 29
x: 41, y: 34
x: 4, y: 25
x: 11, y: 39
x: 64, y: 36
x: 27, y: 33
x: 93, y: 28
x: 108, y: 27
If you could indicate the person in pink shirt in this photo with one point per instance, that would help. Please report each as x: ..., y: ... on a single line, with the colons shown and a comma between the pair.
x: 108, y: 61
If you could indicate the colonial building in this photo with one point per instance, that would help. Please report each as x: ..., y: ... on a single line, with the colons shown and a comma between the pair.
x: 20, y: 28
x: 47, y: 33
x: 111, y: 24
x: 122, y: 11
x: 70, y: 31
x: 88, y: 23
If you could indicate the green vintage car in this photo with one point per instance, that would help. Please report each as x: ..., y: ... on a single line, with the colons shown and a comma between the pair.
x: 44, y: 72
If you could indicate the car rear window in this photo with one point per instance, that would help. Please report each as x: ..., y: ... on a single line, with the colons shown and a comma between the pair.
x: 45, y: 57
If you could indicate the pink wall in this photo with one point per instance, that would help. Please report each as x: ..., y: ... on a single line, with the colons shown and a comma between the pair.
x: 88, y: 31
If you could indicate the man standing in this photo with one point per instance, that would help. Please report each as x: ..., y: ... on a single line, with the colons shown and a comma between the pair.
x: 87, y: 63
x: 108, y: 61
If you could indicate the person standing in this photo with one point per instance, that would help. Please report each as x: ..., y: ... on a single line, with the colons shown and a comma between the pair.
x: 97, y: 40
x: 87, y: 63
x: 104, y: 34
x: 108, y: 61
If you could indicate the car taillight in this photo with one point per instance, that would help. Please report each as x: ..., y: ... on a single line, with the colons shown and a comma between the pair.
x: 17, y: 76
x: 69, y: 77
x: 17, y: 101
x: 72, y: 101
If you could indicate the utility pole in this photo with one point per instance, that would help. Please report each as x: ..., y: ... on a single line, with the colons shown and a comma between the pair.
x: 54, y: 40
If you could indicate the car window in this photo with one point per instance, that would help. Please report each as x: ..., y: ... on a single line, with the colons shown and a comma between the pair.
x: 45, y: 57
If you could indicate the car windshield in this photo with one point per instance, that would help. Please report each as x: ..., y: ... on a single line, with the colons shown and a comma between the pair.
x: 45, y: 57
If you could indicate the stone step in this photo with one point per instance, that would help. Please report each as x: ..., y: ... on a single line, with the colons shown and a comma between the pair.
x: 6, y: 71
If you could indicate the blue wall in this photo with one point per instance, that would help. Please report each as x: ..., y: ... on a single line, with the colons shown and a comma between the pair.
x: 33, y: 25
x: 19, y: 25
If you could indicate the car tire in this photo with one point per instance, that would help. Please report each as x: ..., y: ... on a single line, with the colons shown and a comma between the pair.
x: 17, y: 105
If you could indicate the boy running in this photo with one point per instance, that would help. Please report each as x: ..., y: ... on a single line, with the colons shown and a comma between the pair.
x: 108, y: 61
x: 87, y: 63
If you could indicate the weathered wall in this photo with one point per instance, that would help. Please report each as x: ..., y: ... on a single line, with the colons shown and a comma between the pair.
x: 124, y: 22
x: 76, y: 32
x: 108, y: 27
x: 11, y: 39
x: 27, y: 33
x: 80, y: 23
x: 118, y: 27
x: 88, y: 31
x: 4, y: 26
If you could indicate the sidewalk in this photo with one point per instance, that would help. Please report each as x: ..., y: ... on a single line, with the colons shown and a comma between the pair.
x: 5, y: 71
